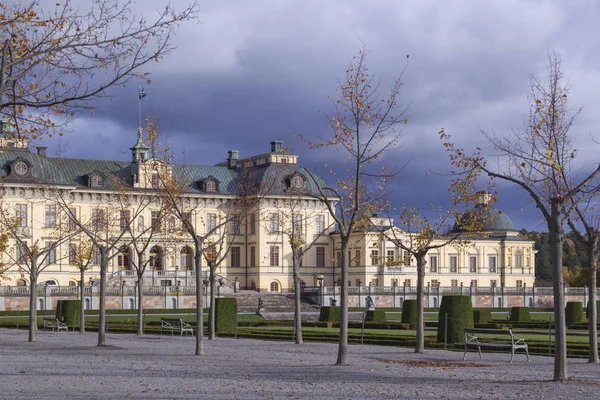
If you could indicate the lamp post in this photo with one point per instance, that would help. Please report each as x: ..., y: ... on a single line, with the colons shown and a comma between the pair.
x: 177, y: 288
x: 221, y: 283
x: 91, y: 292
x: 322, y: 294
x: 122, y: 290
x: 135, y: 288
x: 206, y: 283
x: 334, y: 299
x: 45, y: 296
x: 525, y: 294
x: 359, y: 282
x: 394, y: 284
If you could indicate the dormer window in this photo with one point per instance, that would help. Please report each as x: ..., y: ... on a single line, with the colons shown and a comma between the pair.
x: 210, y: 185
x: 154, y: 179
x: 97, y: 180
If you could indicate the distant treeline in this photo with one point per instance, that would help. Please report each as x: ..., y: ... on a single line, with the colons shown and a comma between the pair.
x: 574, y: 259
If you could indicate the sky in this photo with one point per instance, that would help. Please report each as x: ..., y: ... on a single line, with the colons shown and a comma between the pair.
x: 249, y: 72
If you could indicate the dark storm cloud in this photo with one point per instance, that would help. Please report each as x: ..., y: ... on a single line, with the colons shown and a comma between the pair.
x: 252, y: 72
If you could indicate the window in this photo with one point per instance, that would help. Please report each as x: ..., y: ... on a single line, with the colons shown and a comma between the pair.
x: 519, y: 283
x: 320, y: 257
x: 474, y: 283
x: 252, y: 223
x: 141, y: 224
x: 435, y: 283
x: 154, y: 180
x: 155, y: 221
x: 21, y: 214
x: 274, y: 223
x: 211, y: 186
x: 454, y: 282
x: 320, y: 224
x: 253, y: 256
x: 374, y: 257
x: 391, y: 257
x: 518, y: 259
x: 297, y: 224
x: 406, y: 260
x: 155, y: 258
x: 21, y: 253
x: 358, y: 282
x: 185, y: 258
x: 407, y: 282
x: 234, y: 224
x: 473, y: 264
x: 493, y: 283
x: 124, y: 219
x: 123, y: 258
x: 97, y: 219
x: 338, y: 259
x: 453, y: 263
x: 72, y: 219
x: 51, y: 253
x: 187, y: 217
x: 73, y: 253
x: 235, y: 256
x: 97, y: 180
x: 50, y: 216
x: 96, y: 257
x: 171, y: 227
x: 284, y: 160
x: 433, y: 264
x: 357, y: 258
x: 211, y: 222
x: 274, y: 286
x: 492, y: 263
x: 274, y: 256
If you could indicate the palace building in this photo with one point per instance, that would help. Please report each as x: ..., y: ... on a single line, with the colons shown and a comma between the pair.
x: 258, y: 257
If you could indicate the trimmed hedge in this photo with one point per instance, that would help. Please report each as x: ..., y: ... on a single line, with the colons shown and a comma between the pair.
x: 409, y: 312
x: 375, y: 316
x: 482, y: 316
x: 460, y: 315
x: 67, y: 311
x: 329, y: 314
x: 225, y: 314
x: 520, y: 314
x: 587, y: 310
x: 574, y: 312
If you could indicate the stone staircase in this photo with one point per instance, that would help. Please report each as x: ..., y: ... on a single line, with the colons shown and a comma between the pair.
x: 247, y: 301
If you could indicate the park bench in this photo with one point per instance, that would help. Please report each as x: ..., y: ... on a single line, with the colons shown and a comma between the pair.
x: 493, y: 339
x: 53, y: 323
x: 175, y: 325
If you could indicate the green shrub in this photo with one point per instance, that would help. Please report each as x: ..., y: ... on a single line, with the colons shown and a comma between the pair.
x: 587, y: 310
x: 409, y: 312
x: 520, y: 314
x: 574, y: 312
x: 482, y: 316
x: 375, y: 316
x: 460, y: 315
x: 67, y: 311
x: 225, y: 314
x: 329, y: 314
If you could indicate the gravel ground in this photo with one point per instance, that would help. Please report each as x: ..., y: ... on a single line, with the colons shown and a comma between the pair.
x: 69, y: 365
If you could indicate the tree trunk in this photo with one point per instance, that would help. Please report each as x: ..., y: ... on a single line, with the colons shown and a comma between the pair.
x: 32, y: 299
x: 211, y: 310
x: 342, y: 358
x: 140, y: 304
x: 102, y: 297
x: 420, y: 344
x: 297, y: 299
x: 199, y: 306
x: 556, y: 248
x: 81, y: 302
x: 592, y: 311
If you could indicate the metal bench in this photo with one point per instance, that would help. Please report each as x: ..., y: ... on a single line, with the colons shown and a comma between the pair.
x: 175, y: 325
x: 53, y: 323
x: 493, y: 339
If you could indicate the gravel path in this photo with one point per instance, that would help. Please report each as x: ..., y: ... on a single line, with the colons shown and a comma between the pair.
x: 69, y: 365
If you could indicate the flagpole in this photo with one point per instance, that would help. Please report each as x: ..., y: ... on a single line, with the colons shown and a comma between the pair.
x: 139, y: 107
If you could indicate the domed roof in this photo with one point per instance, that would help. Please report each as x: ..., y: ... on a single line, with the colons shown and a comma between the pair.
x: 493, y: 220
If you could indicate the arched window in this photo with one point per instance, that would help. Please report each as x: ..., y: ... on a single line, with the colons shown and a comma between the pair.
x: 435, y: 302
x: 274, y: 286
x: 171, y: 227
x: 155, y: 258
x: 211, y: 186
x: 87, y: 304
x: 185, y: 258
x: 252, y: 285
x: 21, y: 282
x: 518, y: 259
x: 141, y: 224
x: 72, y: 283
x: 124, y: 258
x: 97, y: 180
x: 131, y: 304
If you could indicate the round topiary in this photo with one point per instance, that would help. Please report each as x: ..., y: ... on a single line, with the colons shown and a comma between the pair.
x: 376, y: 316
x: 482, y: 316
x: 574, y: 312
x: 587, y: 310
x: 460, y: 315
x: 409, y: 312
x: 520, y: 314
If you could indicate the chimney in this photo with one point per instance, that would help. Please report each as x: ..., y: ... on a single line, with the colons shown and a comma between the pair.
x: 232, y: 160
x: 41, y: 150
x: 276, y: 145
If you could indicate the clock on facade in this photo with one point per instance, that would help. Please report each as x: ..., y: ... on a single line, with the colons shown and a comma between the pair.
x: 20, y: 168
x: 298, y: 182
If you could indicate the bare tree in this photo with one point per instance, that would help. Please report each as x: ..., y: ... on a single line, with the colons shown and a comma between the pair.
x: 539, y: 159
x: 55, y: 62
x: 365, y: 127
